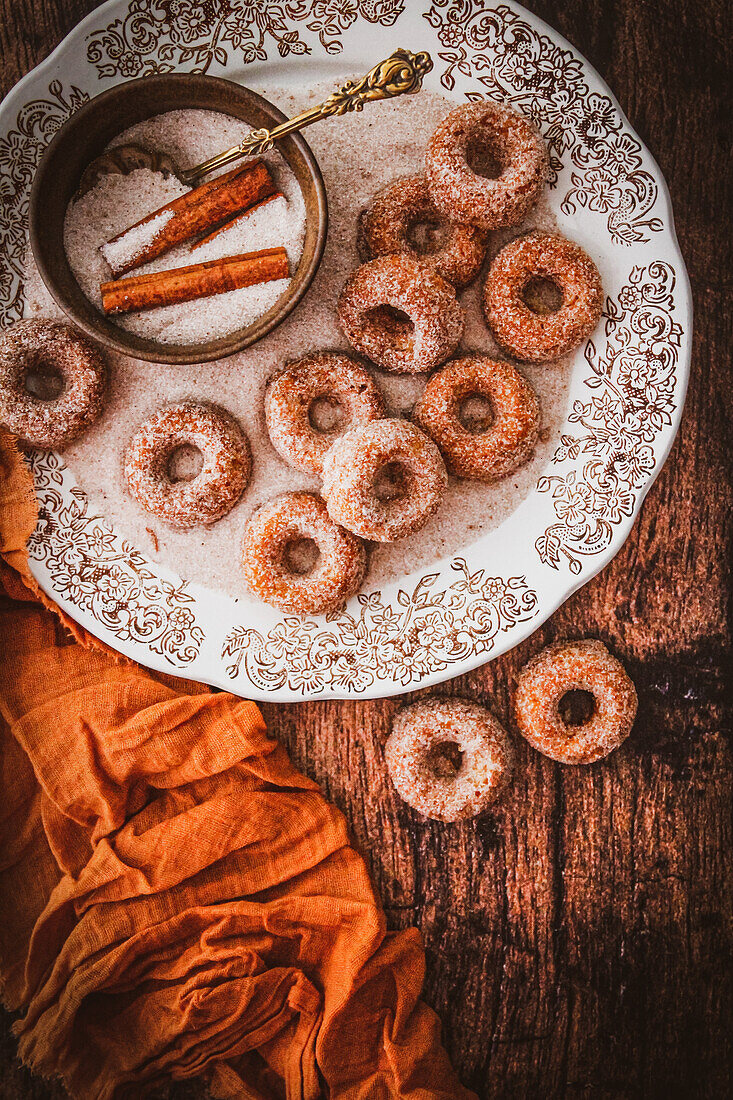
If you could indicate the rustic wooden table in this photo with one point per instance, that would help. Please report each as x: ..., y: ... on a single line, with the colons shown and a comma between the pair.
x: 578, y: 938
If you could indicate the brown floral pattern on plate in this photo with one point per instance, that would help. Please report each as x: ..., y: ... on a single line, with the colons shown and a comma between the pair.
x: 200, y: 35
x: 99, y: 572
x: 635, y: 381
x: 421, y: 634
x: 20, y: 151
x: 517, y: 64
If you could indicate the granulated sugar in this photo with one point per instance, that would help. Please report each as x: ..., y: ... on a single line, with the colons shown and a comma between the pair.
x: 118, y: 201
x: 358, y: 154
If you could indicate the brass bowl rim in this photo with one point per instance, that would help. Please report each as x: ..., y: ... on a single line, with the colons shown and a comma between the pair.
x: 90, y: 319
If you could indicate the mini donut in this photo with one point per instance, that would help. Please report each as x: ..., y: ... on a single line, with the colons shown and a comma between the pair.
x: 273, y: 576
x: 465, y: 196
x: 435, y: 319
x: 51, y: 348
x: 366, y: 457
x: 574, y: 666
x: 427, y: 780
x: 289, y: 400
x: 214, y: 490
x: 506, y: 443
x: 537, y: 337
x: 384, y: 228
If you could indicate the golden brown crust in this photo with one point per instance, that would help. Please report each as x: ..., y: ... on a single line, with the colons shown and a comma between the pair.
x: 436, y: 318
x: 534, y: 337
x: 56, y: 348
x: 507, y: 442
x: 290, y: 397
x: 465, y: 196
x: 215, y: 489
x: 426, y: 780
x: 336, y: 575
x: 574, y: 666
x: 384, y: 229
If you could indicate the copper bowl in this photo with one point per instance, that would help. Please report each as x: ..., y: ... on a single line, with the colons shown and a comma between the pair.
x: 85, y: 136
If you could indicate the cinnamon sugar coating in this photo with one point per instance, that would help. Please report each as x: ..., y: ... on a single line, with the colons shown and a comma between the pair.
x: 574, y: 666
x: 506, y: 443
x: 411, y: 494
x: 214, y: 490
x: 427, y: 780
x: 271, y: 575
x: 51, y: 349
x: 535, y: 337
x: 518, y: 149
x: 385, y: 226
x: 435, y: 317
x: 289, y: 403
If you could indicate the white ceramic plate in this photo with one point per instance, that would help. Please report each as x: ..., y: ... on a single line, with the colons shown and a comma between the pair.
x: 626, y: 392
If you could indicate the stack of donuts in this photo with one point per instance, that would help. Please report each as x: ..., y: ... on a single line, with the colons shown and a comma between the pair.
x: 384, y: 477
x: 423, y: 240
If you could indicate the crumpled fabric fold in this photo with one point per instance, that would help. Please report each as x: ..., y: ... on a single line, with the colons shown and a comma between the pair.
x: 177, y: 900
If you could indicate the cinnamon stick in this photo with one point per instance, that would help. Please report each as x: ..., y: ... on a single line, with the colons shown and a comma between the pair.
x: 198, y: 211
x: 236, y: 220
x: 186, y: 284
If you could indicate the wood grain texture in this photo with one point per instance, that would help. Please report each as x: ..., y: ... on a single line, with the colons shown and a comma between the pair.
x: 579, y: 937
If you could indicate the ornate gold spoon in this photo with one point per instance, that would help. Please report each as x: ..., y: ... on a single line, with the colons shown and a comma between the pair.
x: 399, y: 74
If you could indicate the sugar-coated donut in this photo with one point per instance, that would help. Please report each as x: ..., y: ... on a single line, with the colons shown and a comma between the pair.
x: 427, y: 779
x: 539, y: 337
x: 56, y: 350
x: 386, y: 224
x: 290, y: 399
x: 574, y: 666
x: 435, y: 319
x: 214, y: 490
x: 514, y: 144
x: 506, y: 442
x: 395, y: 457
x: 271, y: 569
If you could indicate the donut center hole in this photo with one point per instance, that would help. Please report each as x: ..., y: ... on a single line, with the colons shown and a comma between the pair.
x: 427, y: 236
x: 185, y: 463
x: 445, y: 759
x: 326, y: 415
x: 393, y: 321
x: 542, y: 296
x: 300, y: 556
x: 482, y: 156
x: 392, y: 482
x: 44, y: 381
x: 576, y: 707
x: 475, y: 413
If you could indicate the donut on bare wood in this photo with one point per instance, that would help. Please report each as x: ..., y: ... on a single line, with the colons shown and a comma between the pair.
x: 564, y: 667
x: 448, y: 758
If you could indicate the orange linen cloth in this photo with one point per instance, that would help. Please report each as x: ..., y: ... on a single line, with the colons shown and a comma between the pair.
x: 176, y: 899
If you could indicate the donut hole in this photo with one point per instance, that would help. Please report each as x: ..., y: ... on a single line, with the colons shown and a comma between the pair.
x: 300, y: 556
x: 542, y: 295
x: 482, y: 156
x: 395, y: 322
x: 475, y: 413
x: 326, y: 415
x: 43, y: 380
x: 577, y: 707
x: 392, y: 482
x: 445, y: 759
x: 426, y: 236
x: 185, y: 463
